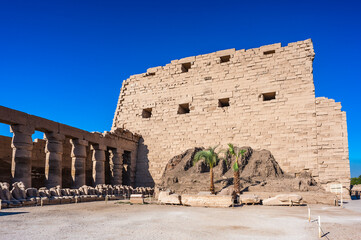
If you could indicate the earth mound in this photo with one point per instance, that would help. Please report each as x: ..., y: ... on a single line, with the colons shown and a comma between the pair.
x: 259, y: 171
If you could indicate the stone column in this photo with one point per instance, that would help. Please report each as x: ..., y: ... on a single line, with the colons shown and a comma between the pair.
x: 98, y: 163
x: 78, y: 155
x: 54, y: 158
x: 116, y: 166
x: 22, y: 145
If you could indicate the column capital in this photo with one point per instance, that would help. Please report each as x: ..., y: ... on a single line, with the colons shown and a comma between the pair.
x: 77, y: 141
x: 54, y: 136
x: 116, y: 150
x: 20, y: 128
x: 97, y: 146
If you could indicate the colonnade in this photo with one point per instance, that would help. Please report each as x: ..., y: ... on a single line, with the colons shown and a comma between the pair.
x: 22, y: 146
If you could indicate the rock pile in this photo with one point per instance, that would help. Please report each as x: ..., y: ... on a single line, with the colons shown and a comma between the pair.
x: 259, y: 171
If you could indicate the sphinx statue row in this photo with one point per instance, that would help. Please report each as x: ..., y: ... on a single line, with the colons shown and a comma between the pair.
x: 19, y: 196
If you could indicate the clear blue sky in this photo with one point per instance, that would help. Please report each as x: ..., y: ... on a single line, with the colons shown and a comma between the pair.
x: 66, y: 60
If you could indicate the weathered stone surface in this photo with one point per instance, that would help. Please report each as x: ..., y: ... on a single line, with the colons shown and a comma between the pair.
x: 78, y: 154
x: 302, y: 131
x: 7, y: 197
x: 98, y: 163
x: 18, y: 192
x: 54, y: 158
x: 137, y: 198
x: 116, y: 166
x: 166, y: 197
x: 283, y: 200
x: 206, y: 201
x: 22, y: 145
x: 249, y: 199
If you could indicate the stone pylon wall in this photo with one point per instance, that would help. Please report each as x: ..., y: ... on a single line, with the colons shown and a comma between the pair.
x: 333, y: 158
x: 286, y: 125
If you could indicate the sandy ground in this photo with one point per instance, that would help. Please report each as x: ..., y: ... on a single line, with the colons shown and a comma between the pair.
x: 100, y: 220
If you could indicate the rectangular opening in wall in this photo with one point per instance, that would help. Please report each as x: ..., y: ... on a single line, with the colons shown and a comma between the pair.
x: 269, y: 96
x: 5, y: 153
x: 225, y: 58
x: 127, y: 157
x: 66, y: 164
x: 269, y: 52
x: 183, y: 108
x: 186, y: 67
x: 38, y: 160
x: 150, y: 74
x: 224, y: 102
x: 147, y: 113
x: 107, y: 169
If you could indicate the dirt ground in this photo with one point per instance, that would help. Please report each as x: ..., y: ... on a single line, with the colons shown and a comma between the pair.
x: 100, y: 220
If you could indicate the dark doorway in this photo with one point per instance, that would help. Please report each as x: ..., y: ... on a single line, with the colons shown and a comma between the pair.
x: 107, y: 168
x: 126, y: 167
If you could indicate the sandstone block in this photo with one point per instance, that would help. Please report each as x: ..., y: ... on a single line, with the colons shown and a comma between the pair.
x: 137, y: 199
x: 206, y: 201
x: 166, y: 197
x: 283, y: 200
x: 249, y: 199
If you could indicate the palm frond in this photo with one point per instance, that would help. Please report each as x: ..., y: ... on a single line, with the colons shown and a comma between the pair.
x: 209, y: 156
x: 205, y: 154
x: 231, y: 149
x: 241, y: 152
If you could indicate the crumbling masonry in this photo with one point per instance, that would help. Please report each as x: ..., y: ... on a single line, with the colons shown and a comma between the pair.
x: 262, y: 97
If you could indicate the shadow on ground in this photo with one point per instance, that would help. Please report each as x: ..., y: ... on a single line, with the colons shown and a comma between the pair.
x: 10, y: 213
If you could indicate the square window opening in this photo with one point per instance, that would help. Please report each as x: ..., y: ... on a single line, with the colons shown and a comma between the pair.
x: 225, y: 58
x: 269, y: 96
x: 269, y: 52
x: 146, y: 113
x: 151, y: 74
x: 183, y: 108
x: 186, y: 67
x: 224, y: 102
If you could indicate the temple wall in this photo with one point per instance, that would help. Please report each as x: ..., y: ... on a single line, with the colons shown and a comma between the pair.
x: 149, y: 104
x: 333, y: 157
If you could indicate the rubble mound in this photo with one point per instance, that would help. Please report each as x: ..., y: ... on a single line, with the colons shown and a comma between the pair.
x: 259, y: 171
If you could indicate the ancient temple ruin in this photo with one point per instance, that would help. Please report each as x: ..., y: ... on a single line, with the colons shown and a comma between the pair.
x: 262, y: 97
x: 67, y: 157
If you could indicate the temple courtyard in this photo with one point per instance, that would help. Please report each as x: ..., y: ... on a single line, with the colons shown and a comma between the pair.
x: 119, y: 220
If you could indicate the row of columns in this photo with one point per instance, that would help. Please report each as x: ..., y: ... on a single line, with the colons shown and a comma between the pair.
x: 22, y: 146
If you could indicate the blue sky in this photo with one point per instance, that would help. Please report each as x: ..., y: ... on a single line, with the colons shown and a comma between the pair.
x: 66, y: 60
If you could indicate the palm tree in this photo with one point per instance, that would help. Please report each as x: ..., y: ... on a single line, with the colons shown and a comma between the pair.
x: 211, y: 159
x: 236, y: 154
